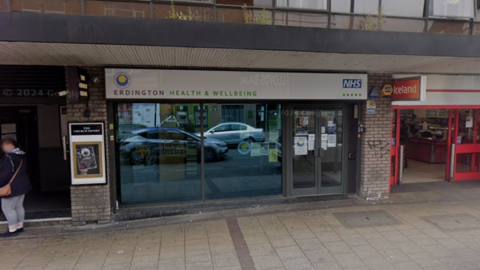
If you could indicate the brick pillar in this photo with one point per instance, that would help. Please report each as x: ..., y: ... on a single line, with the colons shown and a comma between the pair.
x: 375, y: 144
x: 91, y: 204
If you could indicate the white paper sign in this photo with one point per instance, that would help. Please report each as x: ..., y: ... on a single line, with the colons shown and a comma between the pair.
x: 301, y: 146
x: 332, y: 140
x: 255, y: 150
x: 311, y: 145
x: 469, y: 122
x: 264, y: 150
x: 324, y: 141
x: 272, y: 136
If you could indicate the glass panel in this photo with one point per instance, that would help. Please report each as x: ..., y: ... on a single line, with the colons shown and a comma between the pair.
x: 244, y: 16
x: 366, y: 6
x: 448, y: 27
x: 466, y: 163
x: 301, y: 19
x: 303, y: 162
x: 332, y: 136
x: 252, y: 164
x: 304, y: 4
x: 47, y: 6
x: 250, y: 3
x: 159, y: 156
x: 343, y: 22
x: 476, y: 29
x: 181, y: 12
x: 403, y: 25
x: 477, y: 14
x: 358, y: 22
x: 117, y: 9
x: 341, y: 6
x: 407, y: 8
x: 452, y: 8
x: 466, y: 125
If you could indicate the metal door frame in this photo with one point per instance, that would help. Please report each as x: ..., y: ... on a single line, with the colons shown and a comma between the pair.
x: 289, y: 121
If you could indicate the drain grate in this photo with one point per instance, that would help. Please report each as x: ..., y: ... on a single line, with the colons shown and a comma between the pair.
x: 454, y: 222
x: 366, y: 219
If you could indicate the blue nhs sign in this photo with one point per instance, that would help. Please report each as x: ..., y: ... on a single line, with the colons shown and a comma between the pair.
x: 352, y: 83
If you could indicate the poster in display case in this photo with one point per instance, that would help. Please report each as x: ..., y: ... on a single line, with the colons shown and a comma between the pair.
x: 87, y: 153
x: 87, y: 159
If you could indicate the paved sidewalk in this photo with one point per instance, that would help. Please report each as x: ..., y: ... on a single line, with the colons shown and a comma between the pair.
x: 400, y: 234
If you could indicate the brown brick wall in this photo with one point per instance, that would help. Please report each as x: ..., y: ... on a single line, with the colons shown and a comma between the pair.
x: 375, y: 147
x: 91, y: 203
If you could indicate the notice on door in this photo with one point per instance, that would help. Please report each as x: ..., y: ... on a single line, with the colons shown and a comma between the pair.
x: 332, y: 140
x: 324, y: 141
x: 301, y: 146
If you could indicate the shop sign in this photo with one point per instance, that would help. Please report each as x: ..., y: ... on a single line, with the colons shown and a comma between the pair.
x: 87, y: 155
x: 142, y: 84
x: 371, y: 106
x: 374, y: 92
x: 387, y: 90
x: 407, y: 89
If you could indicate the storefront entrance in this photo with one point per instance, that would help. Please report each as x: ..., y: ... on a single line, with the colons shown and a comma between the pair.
x: 38, y: 129
x: 318, y: 147
x: 432, y: 144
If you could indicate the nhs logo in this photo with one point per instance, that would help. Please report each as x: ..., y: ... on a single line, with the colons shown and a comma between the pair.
x: 352, y: 83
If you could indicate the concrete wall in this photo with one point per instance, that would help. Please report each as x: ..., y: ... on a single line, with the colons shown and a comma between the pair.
x: 91, y: 204
x: 375, y: 144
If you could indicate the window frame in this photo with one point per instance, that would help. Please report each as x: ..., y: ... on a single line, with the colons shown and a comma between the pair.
x: 449, y: 17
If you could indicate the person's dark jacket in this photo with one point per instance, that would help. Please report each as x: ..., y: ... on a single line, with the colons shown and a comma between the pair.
x: 6, y: 169
x: 21, y: 183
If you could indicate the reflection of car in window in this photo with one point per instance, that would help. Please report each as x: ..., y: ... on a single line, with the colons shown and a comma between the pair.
x: 235, y: 133
x: 146, y: 144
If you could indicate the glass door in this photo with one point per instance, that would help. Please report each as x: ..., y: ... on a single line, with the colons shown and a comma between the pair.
x: 317, y: 152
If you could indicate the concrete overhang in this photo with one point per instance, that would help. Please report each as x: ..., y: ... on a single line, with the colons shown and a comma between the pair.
x: 39, y: 39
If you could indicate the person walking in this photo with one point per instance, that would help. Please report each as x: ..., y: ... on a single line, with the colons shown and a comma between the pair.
x: 13, y: 171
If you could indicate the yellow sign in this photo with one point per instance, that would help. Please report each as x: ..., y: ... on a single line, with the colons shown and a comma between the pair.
x: 387, y: 90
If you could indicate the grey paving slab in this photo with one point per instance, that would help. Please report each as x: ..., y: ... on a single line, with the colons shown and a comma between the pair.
x: 454, y: 222
x: 366, y: 219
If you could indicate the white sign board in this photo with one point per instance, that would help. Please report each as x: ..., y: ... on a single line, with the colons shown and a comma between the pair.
x: 448, y: 90
x: 301, y: 146
x: 144, y: 84
x: 87, y: 153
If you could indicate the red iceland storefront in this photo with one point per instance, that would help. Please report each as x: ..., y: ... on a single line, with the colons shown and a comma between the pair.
x: 435, y: 128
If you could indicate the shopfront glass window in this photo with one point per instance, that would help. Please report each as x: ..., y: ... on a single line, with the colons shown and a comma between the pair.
x: 158, y: 152
x: 303, y: 4
x: 405, y: 8
x: 452, y: 8
x: 245, y: 156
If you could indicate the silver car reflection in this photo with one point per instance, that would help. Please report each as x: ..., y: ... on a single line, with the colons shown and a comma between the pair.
x: 234, y: 133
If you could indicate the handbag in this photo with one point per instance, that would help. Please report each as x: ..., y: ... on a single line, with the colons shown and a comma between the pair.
x: 7, y: 189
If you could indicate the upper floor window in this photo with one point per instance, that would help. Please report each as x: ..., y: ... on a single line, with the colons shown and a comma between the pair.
x: 248, y: 3
x: 366, y: 6
x: 303, y: 4
x: 404, y: 8
x: 343, y: 6
x: 452, y: 8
